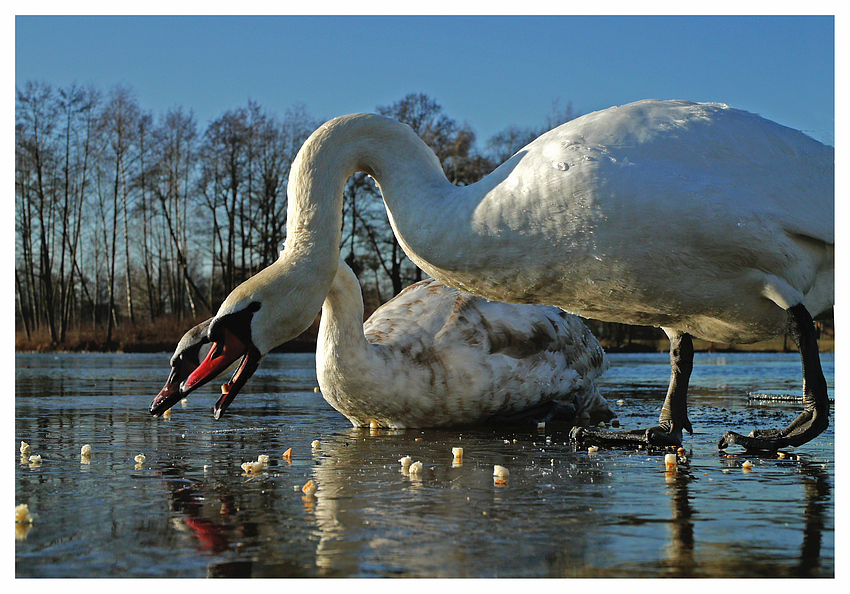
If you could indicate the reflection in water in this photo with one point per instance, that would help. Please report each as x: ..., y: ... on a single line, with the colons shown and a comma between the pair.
x: 817, y: 490
x: 191, y: 511
x: 681, y: 559
x: 373, y: 518
x: 370, y: 511
x: 213, y: 525
x: 680, y: 550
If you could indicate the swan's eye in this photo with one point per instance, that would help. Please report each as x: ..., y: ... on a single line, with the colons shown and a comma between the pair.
x: 238, y: 323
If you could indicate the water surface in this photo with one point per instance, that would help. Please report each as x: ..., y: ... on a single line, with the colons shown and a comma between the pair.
x: 190, y: 511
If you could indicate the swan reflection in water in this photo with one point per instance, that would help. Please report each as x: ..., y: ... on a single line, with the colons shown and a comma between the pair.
x: 555, y: 517
x: 682, y: 556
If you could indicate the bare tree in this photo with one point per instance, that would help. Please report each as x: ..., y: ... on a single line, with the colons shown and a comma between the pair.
x: 144, y: 211
x: 170, y: 179
x: 224, y: 159
x: 245, y: 159
x: 78, y: 107
x: 37, y: 118
x: 119, y: 124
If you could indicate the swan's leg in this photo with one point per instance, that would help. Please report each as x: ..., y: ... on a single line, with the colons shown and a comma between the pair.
x: 815, y: 416
x: 674, y: 412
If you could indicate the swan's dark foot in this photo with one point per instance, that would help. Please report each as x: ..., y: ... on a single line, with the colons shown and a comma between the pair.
x: 804, y: 428
x: 674, y: 413
x: 653, y: 437
x: 815, y: 416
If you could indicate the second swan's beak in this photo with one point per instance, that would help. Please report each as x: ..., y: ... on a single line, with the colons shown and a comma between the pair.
x: 192, y: 348
x: 169, y: 395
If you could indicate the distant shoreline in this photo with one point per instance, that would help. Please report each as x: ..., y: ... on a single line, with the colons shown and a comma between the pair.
x: 306, y: 345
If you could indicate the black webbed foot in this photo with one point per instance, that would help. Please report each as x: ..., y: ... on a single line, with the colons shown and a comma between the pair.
x: 674, y: 412
x: 750, y: 442
x: 815, y: 416
x: 653, y: 437
x: 804, y: 428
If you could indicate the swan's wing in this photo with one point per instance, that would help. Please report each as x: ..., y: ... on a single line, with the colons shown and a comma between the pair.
x: 490, y: 358
x: 542, y: 345
x: 418, y: 310
x: 523, y: 331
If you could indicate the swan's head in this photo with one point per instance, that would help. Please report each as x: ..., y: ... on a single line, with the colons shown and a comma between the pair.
x: 272, y: 307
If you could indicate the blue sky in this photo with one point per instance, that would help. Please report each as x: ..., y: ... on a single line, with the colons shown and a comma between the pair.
x: 488, y: 71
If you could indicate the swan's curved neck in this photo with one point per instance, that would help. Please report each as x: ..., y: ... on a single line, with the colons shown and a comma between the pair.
x: 413, y: 186
x: 406, y: 170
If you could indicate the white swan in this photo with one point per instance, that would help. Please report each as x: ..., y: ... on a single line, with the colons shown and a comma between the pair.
x: 698, y: 218
x: 437, y: 357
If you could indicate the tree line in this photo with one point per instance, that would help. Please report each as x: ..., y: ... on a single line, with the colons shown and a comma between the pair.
x: 123, y: 217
